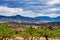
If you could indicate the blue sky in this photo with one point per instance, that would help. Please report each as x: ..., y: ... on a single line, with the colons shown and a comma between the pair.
x: 30, y: 8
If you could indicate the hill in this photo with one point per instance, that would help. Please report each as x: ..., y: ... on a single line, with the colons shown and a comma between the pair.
x: 19, y: 18
x: 46, y: 18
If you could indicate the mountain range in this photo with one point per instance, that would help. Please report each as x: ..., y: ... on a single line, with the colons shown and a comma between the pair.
x: 19, y: 18
x: 22, y: 19
x: 49, y: 19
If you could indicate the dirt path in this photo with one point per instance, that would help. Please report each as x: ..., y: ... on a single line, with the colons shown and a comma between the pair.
x: 42, y: 38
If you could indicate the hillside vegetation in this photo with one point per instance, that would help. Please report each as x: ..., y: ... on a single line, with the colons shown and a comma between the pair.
x: 28, y: 32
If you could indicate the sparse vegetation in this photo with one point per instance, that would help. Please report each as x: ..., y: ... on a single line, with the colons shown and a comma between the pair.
x: 7, y: 31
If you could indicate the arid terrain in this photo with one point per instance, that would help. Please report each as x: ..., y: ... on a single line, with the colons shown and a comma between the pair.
x: 22, y: 31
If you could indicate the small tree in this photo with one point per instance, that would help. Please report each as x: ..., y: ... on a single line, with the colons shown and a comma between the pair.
x: 38, y: 33
x: 31, y: 31
x: 24, y: 34
x: 6, y: 31
x: 54, y: 34
x: 46, y: 32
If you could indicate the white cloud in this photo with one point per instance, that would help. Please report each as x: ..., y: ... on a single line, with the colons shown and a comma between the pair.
x: 32, y: 2
x: 53, y: 15
x: 16, y: 11
x: 50, y: 10
x: 52, y: 2
x: 54, y: 9
x: 29, y: 13
x: 9, y: 11
x: 19, y: 11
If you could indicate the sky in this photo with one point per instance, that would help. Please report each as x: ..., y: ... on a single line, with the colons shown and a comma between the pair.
x: 30, y: 8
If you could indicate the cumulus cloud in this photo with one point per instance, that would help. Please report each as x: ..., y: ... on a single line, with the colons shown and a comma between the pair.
x: 54, y: 9
x: 50, y: 10
x: 53, y: 15
x: 52, y: 2
x: 30, y: 8
x: 9, y: 11
x: 19, y: 11
x: 16, y: 11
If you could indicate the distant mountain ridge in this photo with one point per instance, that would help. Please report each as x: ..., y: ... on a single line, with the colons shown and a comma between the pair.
x: 19, y: 18
x: 46, y: 18
x: 22, y: 19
